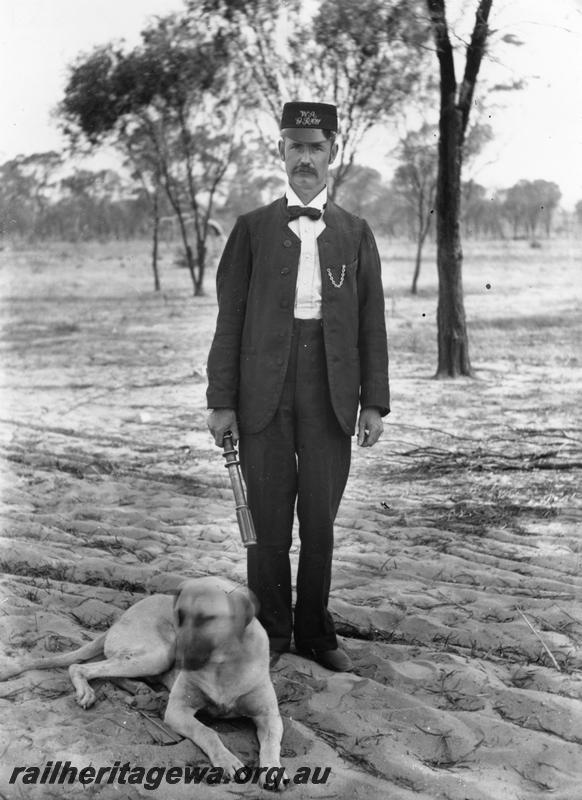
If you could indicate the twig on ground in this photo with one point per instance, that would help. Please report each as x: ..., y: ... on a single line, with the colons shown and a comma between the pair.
x: 169, y: 733
x: 537, y: 635
x: 435, y: 430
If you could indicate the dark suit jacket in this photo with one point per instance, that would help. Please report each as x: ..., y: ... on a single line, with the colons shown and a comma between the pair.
x: 256, y: 283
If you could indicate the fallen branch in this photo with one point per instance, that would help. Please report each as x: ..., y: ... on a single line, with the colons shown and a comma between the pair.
x: 537, y: 635
x: 163, y: 728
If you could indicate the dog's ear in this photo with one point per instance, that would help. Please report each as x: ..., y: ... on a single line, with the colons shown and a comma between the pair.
x: 254, y: 601
x: 178, y: 612
x: 243, y: 610
x: 177, y: 591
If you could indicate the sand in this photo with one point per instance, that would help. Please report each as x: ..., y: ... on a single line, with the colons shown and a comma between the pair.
x: 457, y: 580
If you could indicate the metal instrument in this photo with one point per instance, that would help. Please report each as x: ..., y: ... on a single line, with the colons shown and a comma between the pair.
x: 243, y: 513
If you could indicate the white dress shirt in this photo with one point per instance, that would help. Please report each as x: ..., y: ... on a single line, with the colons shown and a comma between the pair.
x: 308, y: 291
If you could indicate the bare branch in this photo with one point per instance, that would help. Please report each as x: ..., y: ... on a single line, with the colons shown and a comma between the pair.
x: 475, y: 53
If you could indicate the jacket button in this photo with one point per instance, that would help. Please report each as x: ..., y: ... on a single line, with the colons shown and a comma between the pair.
x: 287, y: 243
x: 279, y: 361
x: 285, y: 271
x: 284, y: 303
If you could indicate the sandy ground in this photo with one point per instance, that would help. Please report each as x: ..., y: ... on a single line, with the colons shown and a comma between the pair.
x: 457, y: 579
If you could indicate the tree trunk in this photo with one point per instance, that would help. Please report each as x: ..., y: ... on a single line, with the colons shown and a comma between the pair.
x: 199, y: 283
x: 418, y: 263
x: 185, y: 242
x: 155, y: 239
x: 174, y: 199
x: 453, y: 341
x: 190, y: 265
x: 414, y: 287
x: 424, y: 227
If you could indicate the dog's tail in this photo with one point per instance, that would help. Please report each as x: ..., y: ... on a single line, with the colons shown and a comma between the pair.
x: 83, y: 653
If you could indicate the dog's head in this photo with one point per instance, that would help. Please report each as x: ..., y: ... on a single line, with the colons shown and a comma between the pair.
x: 210, y: 620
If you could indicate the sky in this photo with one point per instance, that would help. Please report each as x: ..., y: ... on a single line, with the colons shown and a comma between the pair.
x: 538, y: 131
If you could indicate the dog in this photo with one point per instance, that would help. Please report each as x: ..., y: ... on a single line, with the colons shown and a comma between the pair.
x: 212, y: 653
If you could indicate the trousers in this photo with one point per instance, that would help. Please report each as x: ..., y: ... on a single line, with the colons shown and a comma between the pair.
x: 299, y: 461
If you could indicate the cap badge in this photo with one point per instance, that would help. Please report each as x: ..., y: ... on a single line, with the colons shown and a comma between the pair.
x: 307, y: 119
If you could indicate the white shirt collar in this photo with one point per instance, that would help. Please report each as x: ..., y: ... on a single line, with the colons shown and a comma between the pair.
x: 318, y: 201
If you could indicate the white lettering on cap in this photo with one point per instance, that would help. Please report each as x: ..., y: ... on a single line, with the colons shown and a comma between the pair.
x: 308, y: 118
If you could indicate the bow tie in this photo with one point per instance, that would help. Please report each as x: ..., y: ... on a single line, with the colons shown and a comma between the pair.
x: 303, y: 211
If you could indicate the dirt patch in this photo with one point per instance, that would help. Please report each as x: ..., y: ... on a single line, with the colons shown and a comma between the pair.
x: 457, y: 570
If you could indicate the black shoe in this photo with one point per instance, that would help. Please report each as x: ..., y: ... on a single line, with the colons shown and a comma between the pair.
x: 275, y: 655
x: 336, y: 660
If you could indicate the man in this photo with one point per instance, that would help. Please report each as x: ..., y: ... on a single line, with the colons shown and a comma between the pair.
x: 300, y: 341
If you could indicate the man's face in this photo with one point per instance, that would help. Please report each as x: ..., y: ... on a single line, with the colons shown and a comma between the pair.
x: 307, y: 164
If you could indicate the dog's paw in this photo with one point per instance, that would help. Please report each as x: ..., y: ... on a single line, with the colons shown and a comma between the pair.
x: 229, y: 764
x: 274, y: 780
x: 86, y: 697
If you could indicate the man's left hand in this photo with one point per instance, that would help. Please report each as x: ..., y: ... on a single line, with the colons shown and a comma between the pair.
x: 370, y: 427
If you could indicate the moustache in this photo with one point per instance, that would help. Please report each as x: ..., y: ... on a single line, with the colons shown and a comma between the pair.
x: 308, y: 170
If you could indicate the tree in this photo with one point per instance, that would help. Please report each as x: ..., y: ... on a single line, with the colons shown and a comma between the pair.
x: 26, y: 186
x: 40, y: 199
x: 527, y: 202
x: 514, y: 206
x: 365, y: 193
x: 548, y: 197
x: 415, y: 180
x: 16, y: 198
x: 456, y: 100
x: 90, y: 204
x: 365, y: 56
x: 169, y: 106
x: 542, y: 198
x: 252, y: 183
x: 481, y: 212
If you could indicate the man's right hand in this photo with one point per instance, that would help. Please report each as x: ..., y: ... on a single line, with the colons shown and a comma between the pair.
x: 221, y: 420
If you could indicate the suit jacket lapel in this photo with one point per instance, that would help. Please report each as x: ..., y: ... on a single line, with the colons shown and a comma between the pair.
x: 329, y: 241
x: 330, y: 217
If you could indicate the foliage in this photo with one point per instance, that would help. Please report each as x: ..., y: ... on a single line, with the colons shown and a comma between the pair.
x: 41, y: 197
x: 364, y: 192
x: 528, y: 203
x: 26, y: 184
x: 39, y: 200
x: 370, y: 57
x: 251, y: 184
x: 169, y: 106
x: 415, y: 178
x: 481, y: 212
x: 363, y: 55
